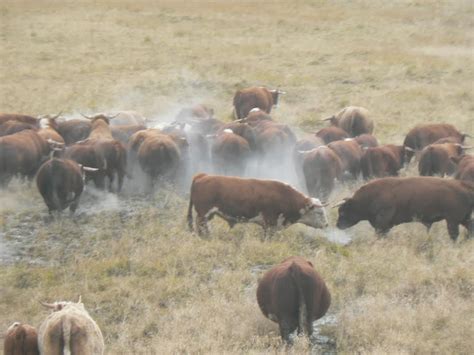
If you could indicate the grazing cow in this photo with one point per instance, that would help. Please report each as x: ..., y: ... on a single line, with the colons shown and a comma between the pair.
x: 321, y: 167
x: 21, y: 154
x: 382, y: 161
x: 435, y: 159
x: 60, y: 183
x: 255, y: 97
x: 230, y: 153
x: 388, y: 202
x: 159, y: 156
x: 465, y: 167
x: 354, y: 120
x: 69, y: 329
x: 331, y: 134
x: 350, y: 154
x: 4, y: 117
x: 268, y: 203
x: 294, y: 295
x: 367, y: 141
x: 21, y: 339
x: 74, y: 130
x: 12, y: 127
x: 422, y: 135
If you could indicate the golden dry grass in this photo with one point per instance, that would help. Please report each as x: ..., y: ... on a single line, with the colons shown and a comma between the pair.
x: 155, y: 288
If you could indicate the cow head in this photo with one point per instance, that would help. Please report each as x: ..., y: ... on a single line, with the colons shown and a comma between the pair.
x: 348, y: 214
x: 313, y: 214
x: 276, y: 95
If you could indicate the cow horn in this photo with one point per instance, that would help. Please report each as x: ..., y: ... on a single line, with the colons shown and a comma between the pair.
x: 239, y: 120
x: 409, y: 149
x: 80, y: 299
x: 88, y: 168
x: 281, y: 92
x: 57, y: 116
x: 50, y: 141
x: 343, y: 201
x: 88, y: 117
x: 327, y: 119
x: 465, y: 147
x: 467, y: 135
x: 321, y: 205
x: 47, y: 305
x: 112, y: 116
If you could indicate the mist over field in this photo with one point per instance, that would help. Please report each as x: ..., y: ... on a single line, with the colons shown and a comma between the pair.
x: 154, y: 287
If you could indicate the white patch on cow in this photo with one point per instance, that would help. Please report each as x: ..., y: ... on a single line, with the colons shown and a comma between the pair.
x: 211, y: 212
x: 14, y: 325
x: 255, y: 109
x: 314, y: 217
x: 228, y: 130
x: 348, y: 139
x: 272, y: 317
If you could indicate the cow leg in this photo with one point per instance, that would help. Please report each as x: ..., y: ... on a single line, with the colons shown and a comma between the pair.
x: 201, y: 226
x: 286, y: 328
x: 120, y: 176
x: 453, y: 230
x: 469, y: 224
x: 111, y: 181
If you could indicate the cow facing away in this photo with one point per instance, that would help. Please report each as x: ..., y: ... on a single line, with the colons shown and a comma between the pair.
x: 69, y: 329
x: 435, y: 159
x: 294, y: 295
x: 465, y: 167
x: 331, y: 134
x: 21, y: 339
x: 354, y: 120
x: 388, y: 202
x: 60, y: 183
x: 268, y: 203
x: 255, y: 97
x: 382, y: 161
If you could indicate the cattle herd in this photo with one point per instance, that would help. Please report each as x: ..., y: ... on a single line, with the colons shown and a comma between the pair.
x: 217, y: 159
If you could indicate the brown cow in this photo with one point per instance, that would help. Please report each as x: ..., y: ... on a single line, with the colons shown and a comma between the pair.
x: 354, y: 120
x: 321, y: 167
x: 294, y: 295
x: 331, y: 134
x: 465, y: 167
x: 255, y: 117
x: 21, y: 154
x: 69, y: 329
x: 350, y: 154
x: 422, y: 135
x: 73, y: 130
x: 50, y: 132
x: 367, y: 141
x: 21, y: 339
x: 382, y: 161
x: 122, y: 133
x: 230, y: 153
x: 34, y: 121
x: 60, y: 183
x: 391, y: 201
x: 435, y: 159
x: 268, y: 203
x: 255, y: 97
x: 244, y: 130
x: 12, y: 127
x: 86, y: 155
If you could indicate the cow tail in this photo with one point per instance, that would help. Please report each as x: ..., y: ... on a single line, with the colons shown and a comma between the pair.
x: 66, y: 328
x: 190, y: 214
x: 303, y: 316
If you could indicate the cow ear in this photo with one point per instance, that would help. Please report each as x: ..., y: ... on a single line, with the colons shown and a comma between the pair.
x: 310, y: 263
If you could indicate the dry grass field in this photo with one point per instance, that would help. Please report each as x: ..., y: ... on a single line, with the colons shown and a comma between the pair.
x: 155, y: 288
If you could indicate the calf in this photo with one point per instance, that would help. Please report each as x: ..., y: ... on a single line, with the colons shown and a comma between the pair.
x: 268, y: 203
x: 388, y: 202
x: 294, y: 295
x: 21, y: 339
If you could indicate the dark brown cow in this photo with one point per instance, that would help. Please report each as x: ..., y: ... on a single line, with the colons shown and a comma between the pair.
x: 21, y: 339
x: 12, y: 127
x: 350, y: 154
x: 331, y: 134
x: 435, y: 159
x: 74, y: 130
x: 294, y: 295
x: 321, y: 167
x: 159, y: 156
x: 367, y: 141
x: 85, y: 154
x: 255, y: 97
x: 230, y: 153
x: 422, y: 135
x: 354, y: 120
x: 382, y: 161
x: 122, y: 133
x: 465, y: 167
x: 268, y: 203
x: 21, y: 154
x: 4, y: 117
x: 388, y: 202
x: 60, y: 183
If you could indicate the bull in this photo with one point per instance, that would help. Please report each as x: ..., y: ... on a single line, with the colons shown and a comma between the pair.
x: 294, y: 295
x: 391, y: 201
x: 271, y: 204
